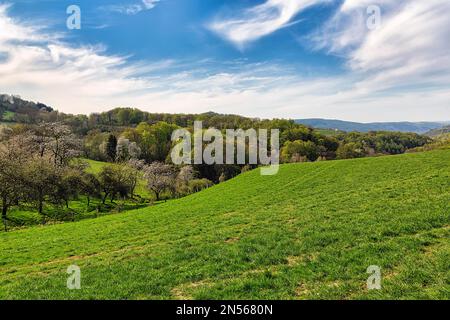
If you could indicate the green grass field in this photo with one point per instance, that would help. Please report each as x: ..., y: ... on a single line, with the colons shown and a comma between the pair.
x: 328, y: 132
x: 309, y: 232
x: 8, y: 116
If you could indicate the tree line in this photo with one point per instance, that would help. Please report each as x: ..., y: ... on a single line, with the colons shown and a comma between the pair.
x: 40, y: 166
x: 40, y: 161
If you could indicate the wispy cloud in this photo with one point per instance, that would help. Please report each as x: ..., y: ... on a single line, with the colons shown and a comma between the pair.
x: 82, y: 79
x: 133, y: 8
x: 259, y: 21
x: 48, y: 68
x: 410, y: 48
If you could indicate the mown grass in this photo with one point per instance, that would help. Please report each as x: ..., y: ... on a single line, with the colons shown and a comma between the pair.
x: 309, y: 232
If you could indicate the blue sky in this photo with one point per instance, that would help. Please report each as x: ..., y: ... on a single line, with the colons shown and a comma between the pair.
x: 261, y: 58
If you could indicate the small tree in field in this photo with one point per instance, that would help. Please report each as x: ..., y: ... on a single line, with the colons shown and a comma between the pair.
x: 198, y: 185
x: 115, y: 180
x: 41, y: 181
x: 160, y: 177
x: 134, y: 171
x: 11, y: 177
x: 185, y: 175
x: 90, y: 187
x: 108, y: 182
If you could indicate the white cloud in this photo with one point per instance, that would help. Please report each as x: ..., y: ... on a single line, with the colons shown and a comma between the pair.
x: 134, y: 8
x: 410, y: 48
x: 11, y: 31
x: 39, y: 66
x: 260, y: 20
x: 45, y: 67
x: 149, y: 4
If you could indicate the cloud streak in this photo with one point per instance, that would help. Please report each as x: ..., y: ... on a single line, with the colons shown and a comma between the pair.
x: 259, y: 21
x: 134, y: 8
x: 410, y: 48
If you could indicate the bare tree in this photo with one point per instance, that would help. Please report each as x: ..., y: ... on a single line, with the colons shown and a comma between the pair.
x: 63, y: 144
x: 134, y: 169
x: 185, y: 175
x: 160, y: 177
x: 41, y: 179
x: 55, y: 140
x: 11, y: 177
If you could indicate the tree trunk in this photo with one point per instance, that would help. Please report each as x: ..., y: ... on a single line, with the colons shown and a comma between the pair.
x: 133, y: 187
x: 41, y: 209
x: 157, y: 196
x: 88, y: 201
x: 56, y: 152
x: 104, y: 198
x: 4, y: 213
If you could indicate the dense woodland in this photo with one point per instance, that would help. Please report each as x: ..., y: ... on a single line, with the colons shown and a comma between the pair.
x: 45, y: 154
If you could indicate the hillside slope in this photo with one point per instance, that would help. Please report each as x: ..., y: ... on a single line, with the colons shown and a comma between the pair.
x: 13, y: 108
x: 309, y: 232
x: 438, y: 132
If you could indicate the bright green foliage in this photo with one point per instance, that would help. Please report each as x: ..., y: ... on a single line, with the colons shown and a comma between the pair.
x: 293, y: 151
x: 309, y: 232
x: 155, y: 141
x: 350, y: 150
x: 8, y: 116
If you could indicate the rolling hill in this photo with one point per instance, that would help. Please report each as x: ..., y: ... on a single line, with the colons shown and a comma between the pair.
x: 416, y: 127
x: 309, y: 232
x: 13, y: 108
x: 439, y: 131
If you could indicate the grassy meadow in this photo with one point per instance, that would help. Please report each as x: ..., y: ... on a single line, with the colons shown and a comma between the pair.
x: 309, y: 232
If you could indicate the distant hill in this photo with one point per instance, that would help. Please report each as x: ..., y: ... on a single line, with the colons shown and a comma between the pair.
x: 438, y: 132
x: 416, y: 127
x: 15, y: 109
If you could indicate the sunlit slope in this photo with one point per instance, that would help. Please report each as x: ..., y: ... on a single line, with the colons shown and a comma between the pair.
x: 309, y: 232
